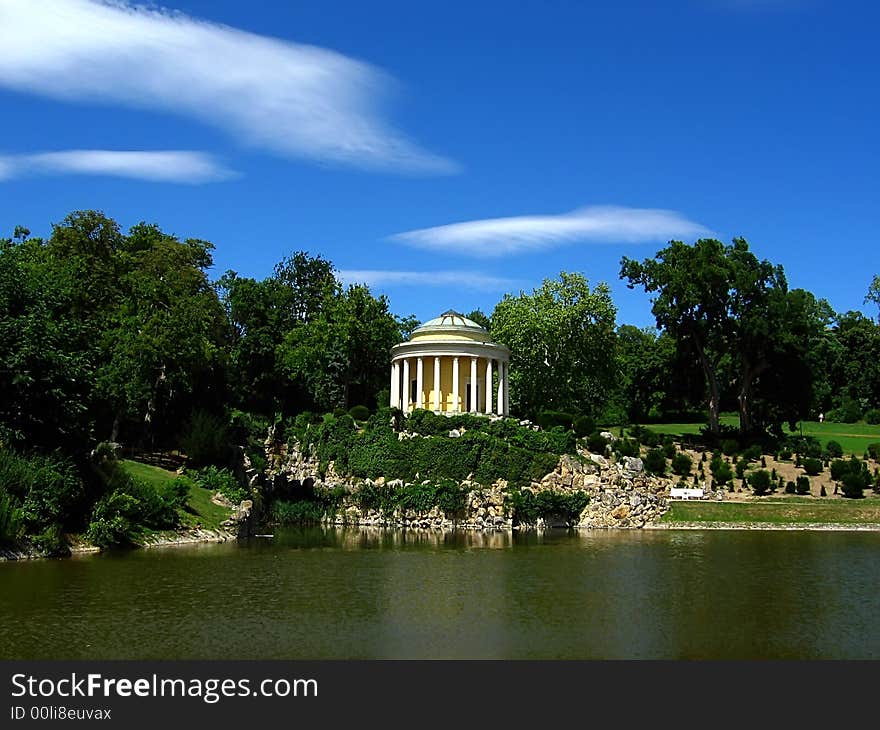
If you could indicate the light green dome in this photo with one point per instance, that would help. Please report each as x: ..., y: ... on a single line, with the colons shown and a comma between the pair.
x: 450, y: 320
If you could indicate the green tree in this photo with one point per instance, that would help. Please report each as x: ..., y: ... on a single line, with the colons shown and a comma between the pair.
x: 562, y: 340
x: 873, y: 294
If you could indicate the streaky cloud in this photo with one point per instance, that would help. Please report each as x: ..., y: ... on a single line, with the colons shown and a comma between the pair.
x: 462, y: 279
x: 522, y: 234
x: 171, y: 166
x: 291, y: 99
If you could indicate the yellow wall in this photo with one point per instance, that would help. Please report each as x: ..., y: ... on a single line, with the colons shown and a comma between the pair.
x: 446, y: 400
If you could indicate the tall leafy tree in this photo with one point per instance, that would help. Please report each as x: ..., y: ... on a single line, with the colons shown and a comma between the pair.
x: 562, y: 340
x: 874, y: 294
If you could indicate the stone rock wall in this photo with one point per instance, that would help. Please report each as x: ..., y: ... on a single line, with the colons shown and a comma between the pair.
x: 622, y: 494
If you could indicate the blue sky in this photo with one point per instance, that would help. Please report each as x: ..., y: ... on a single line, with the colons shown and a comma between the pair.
x: 449, y: 152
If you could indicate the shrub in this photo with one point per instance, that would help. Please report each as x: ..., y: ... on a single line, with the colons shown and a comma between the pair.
x: 813, y: 467
x: 359, y: 413
x: 206, y: 440
x: 839, y: 469
x: 650, y: 438
x: 805, y: 446
x: 822, y: 491
x: 729, y: 447
x: 741, y: 466
x: 583, y: 426
x: 753, y: 453
x: 790, y: 488
x: 848, y: 411
x: 760, y: 481
x: 803, y: 484
x: 721, y: 471
x: 872, y: 416
x: 219, y: 480
x: 550, y: 419
x: 833, y: 449
x: 10, y: 519
x: 853, y: 485
x: 54, y: 491
x: 785, y: 455
x: 626, y: 447
x: 669, y: 450
x: 296, y: 513
x: 655, y: 462
x: 874, y: 451
x: 596, y: 443
x: 529, y: 506
x: 681, y: 464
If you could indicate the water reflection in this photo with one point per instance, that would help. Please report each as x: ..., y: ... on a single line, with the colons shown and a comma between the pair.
x: 370, y: 593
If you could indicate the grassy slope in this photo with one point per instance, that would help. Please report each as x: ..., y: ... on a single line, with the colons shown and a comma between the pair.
x: 200, y: 509
x: 778, y: 511
x: 853, y: 437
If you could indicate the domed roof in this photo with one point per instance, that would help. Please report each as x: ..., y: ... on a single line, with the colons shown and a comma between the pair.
x: 449, y: 320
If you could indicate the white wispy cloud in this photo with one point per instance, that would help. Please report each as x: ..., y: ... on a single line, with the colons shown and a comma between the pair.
x: 460, y: 279
x: 291, y: 99
x: 598, y: 224
x: 175, y: 166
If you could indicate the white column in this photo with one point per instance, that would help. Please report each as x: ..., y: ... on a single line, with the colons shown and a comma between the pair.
x: 507, y: 389
x: 437, y: 384
x: 420, y: 382
x: 455, y: 398
x: 499, y: 408
x: 473, y: 385
x: 488, y: 385
x: 406, y: 385
x: 395, y: 385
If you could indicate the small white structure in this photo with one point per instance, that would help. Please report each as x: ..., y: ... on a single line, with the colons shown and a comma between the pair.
x: 685, y: 493
x: 451, y: 365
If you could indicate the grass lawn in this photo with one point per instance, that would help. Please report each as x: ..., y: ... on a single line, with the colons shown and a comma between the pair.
x: 853, y: 437
x: 200, y: 510
x: 780, y: 511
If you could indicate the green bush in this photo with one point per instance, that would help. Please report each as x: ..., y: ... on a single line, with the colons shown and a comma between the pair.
x: 872, y: 416
x: 205, y: 440
x: 551, y: 419
x: 655, y: 462
x: 583, y: 426
x: 822, y: 491
x: 729, y: 447
x: 848, y: 411
x: 812, y: 466
x: 805, y: 446
x: 669, y: 449
x: 10, y: 519
x: 803, y: 484
x: 359, y: 413
x: 528, y: 506
x: 596, y: 443
x: 790, y: 488
x: 760, y: 481
x: 839, y: 469
x: 650, y: 438
x: 785, y: 455
x: 834, y: 450
x: 720, y: 469
x: 218, y: 480
x: 874, y: 451
x: 626, y: 447
x: 853, y: 485
x: 296, y: 513
x: 681, y: 464
x: 752, y: 453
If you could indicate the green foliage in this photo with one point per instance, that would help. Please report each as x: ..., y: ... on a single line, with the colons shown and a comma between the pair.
x: 874, y: 451
x: 11, y: 522
x: 790, y: 488
x: 296, y: 512
x: 528, y: 506
x: 833, y: 449
x: 206, y: 440
x: 359, y: 413
x: 551, y: 419
x: 729, y: 447
x: 626, y: 447
x: 562, y: 341
x: 813, y: 467
x: 752, y: 453
x: 583, y: 426
x: 853, y: 485
x: 681, y: 464
x: 597, y: 443
x: 669, y: 449
x: 803, y: 484
x: 741, y: 466
x: 849, y: 411
x: 760, y: 481
x: 655, y: 462
x: 721, y: 470
x: 217, y: 480
x: 872, y: 416
x: 785, y: 455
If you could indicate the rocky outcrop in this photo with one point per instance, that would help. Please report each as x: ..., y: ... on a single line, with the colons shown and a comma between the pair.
x: 621, y: 494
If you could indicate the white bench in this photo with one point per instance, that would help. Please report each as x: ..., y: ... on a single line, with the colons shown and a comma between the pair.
x: 685, y: 493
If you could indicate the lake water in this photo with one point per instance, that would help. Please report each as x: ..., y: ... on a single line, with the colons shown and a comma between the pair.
x: 316, y: 593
